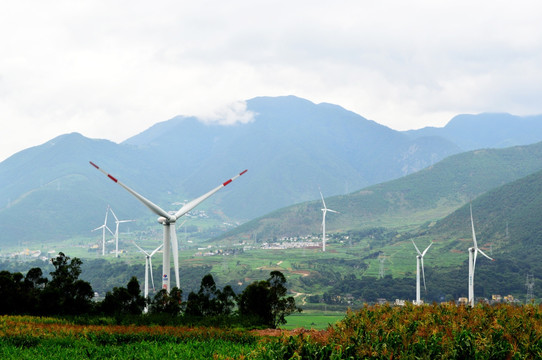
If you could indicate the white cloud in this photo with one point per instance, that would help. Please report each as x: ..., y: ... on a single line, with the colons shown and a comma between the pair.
x: 231, y: 114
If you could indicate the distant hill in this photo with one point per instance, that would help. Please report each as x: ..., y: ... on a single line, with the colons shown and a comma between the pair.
x: 291, y: 149
x: 487, y: 130
x: 508, y: 217
x: 427, y: 195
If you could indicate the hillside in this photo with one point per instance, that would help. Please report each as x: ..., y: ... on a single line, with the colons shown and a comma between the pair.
x: 427, y: 195
x: 508, y: 228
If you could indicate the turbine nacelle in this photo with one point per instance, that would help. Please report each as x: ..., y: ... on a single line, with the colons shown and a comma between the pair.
x: 165, y: 221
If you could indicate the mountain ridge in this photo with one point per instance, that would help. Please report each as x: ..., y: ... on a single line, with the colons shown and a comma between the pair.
x: 291, y: 148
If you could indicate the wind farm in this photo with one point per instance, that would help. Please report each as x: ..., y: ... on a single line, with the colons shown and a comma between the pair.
x: 331, y: 263
x: 168, y: 221
x: 422, y: 126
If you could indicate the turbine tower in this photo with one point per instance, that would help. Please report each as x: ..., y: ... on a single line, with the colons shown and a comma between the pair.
x: 419, y: 259
x: 168, y: 221
x: 473, y: 252
x: 148, y: 271
x: 104, y: 227
x: 117, y: 222
x: 324, y: 211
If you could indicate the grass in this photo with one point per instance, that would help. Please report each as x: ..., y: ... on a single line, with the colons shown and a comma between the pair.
x: 312, y: 320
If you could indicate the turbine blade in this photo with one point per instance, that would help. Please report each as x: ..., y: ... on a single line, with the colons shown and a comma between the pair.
x: 98, y: 228
x: 473, y: 232
x: 192, y: 204
x: 483, y: 253
x: 140, y: 249
x: 152, y: 206
x: 323, y: 202
x: 427, y: 248
x: 423, y: 274
x: 108, y: 229
x: 175, y: 253
x: 150, y: 271
x: 333, y: 211
x: 474, y: 260
x: 115, y: 216
x: 155, y: 250
x: 417, y: 250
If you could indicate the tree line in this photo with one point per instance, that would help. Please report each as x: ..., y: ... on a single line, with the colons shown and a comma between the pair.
x: 262, y: 303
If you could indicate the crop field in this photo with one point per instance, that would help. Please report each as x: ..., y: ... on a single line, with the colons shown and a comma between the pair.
x: 374, y: 332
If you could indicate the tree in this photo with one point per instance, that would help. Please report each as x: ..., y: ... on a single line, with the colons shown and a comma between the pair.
x: 267, y: 300
x: 167, y: 303
x: 122, y: 300
x: 281, y: 306
x: 65, y: 293
x: 226, y: 300
x: 11, y: 301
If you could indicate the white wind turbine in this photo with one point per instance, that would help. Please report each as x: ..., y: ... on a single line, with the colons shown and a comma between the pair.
x: 473, y: 251
x: 104, y: 227
x: 148, y: 270
x: 168, y: 221
x: 324, y: 211
x: 117, y: 222
x: 419, y: 259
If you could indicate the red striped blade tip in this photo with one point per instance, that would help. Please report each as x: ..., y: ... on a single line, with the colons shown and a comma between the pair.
x: 93, y: 164
x: 243, y: 172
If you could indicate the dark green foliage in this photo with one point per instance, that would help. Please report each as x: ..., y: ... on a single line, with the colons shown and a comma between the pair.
x: 210, y: 301
x: 267, y: 300
x: 66, y: 294
x: 124, y: 300
x: 263, y: 303
x: 167, y: 303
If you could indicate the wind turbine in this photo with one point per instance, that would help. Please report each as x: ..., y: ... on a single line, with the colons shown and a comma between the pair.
x: 324, y: 211
x: 117, y: 222
x: 148, y: 270
x: 104, y: 227
x: 473, y: 251
x: 168, y: 221
x: 419, y: 259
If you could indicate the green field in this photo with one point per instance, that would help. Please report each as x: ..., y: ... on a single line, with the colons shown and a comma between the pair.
x: 312, y: 320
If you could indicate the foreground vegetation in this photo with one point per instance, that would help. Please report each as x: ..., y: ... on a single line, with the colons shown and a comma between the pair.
x: 373, y: 332
x: 262, y: 303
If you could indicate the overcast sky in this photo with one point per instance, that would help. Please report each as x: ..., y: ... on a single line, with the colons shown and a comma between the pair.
x: 111, y: 69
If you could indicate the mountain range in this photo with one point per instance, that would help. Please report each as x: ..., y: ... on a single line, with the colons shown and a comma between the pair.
x: 292, y: 149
